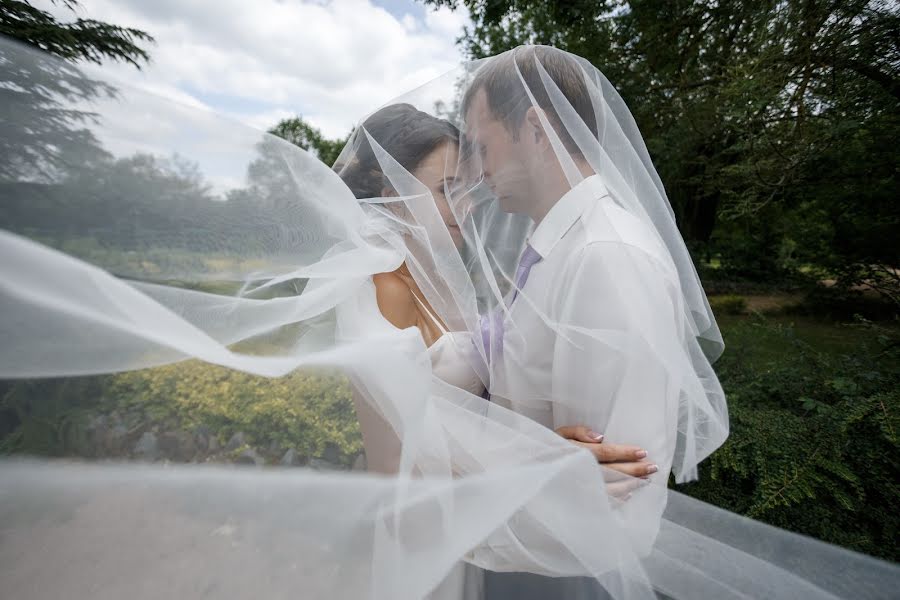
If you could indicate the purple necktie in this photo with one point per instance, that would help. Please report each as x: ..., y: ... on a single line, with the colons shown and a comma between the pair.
x: 494, y: 320
x: 530, y: 257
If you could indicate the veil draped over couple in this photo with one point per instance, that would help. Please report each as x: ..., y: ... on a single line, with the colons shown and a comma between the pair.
x: 493, y: 265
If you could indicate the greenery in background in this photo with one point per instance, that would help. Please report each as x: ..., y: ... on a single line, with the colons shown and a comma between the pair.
x: 815, y: 417
x: 306, y: 412
x: 43, y: 416
x: 772, y: 124
x: 303, y: 411
x: 302, y: 134
x: 81, y: 39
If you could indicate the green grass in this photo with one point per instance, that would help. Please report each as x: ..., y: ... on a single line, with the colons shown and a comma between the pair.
x: 758, y: 346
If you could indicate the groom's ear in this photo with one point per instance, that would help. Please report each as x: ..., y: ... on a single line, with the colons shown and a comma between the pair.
x: 534, y: 129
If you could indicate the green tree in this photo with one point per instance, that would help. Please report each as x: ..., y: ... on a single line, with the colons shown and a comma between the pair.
x: 302, y: 134
x: 81, y: 39
x: 44, y: 135
x: 766, y: 120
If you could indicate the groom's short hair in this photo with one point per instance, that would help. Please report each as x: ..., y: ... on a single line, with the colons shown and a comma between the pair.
x: 508, y: 101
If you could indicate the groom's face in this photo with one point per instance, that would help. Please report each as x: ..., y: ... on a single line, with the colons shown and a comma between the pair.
x: 499, y: 155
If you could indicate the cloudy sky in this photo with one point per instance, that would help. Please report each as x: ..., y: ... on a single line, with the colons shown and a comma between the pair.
x: 331, y: 61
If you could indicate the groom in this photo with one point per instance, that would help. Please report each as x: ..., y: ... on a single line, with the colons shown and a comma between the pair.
x: 507, y: 132
x: 546, y: 359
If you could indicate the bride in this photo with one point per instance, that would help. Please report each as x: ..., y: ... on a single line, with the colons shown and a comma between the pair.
x: 407, y: 271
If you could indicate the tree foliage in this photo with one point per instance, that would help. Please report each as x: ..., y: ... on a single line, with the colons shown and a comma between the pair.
x: 81, y: 39
x: 47, y: 134
x: 302, y: 134
x: 769, y: 122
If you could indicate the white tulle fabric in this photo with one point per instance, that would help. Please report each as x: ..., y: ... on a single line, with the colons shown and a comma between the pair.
x: 107, y: 274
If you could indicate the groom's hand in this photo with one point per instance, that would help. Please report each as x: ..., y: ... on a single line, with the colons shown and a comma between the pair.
x: 628, y: 460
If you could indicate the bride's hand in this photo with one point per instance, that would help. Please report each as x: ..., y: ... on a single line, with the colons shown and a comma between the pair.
x: 628, y: 460
x: 626, y: 467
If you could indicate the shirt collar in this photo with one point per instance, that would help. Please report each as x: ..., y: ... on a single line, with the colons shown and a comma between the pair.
x: 560, y: 218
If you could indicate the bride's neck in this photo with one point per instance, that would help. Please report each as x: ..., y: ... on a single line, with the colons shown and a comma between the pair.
x: 403, y: 272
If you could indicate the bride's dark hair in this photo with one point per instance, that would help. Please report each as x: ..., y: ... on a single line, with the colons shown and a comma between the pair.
x: 407, y: 134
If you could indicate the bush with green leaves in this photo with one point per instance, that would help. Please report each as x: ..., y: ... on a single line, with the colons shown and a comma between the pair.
x: 46, y: 416
x: 305, y: 411
x: 813, y: 445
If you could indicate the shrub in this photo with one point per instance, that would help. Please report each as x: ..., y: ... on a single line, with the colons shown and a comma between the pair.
x: 305, y: 411
x: 813, y: 445
x: 43, y: 416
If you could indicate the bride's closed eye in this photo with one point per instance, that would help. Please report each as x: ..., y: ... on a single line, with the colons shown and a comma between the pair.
x: 446, y: 186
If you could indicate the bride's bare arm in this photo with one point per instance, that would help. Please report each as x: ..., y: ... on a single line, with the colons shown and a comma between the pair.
x: 379, y: 439
x: 382, y: 446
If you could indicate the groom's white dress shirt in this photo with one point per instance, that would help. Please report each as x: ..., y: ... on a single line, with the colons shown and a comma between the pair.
x: 574, y: 348
x: 590, y: 340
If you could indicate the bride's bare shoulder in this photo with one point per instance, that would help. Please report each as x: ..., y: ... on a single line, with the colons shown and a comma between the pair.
x: 395, y: 300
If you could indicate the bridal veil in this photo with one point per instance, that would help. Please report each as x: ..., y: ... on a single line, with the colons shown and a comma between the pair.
x: 136, y: 232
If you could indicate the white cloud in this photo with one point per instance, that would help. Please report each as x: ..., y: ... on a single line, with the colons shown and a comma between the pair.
x: 409, y: 22
x: 447, y: 22
x: 333, y: 62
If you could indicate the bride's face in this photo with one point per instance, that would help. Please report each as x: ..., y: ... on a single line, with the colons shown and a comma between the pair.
x: 438, y: 172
